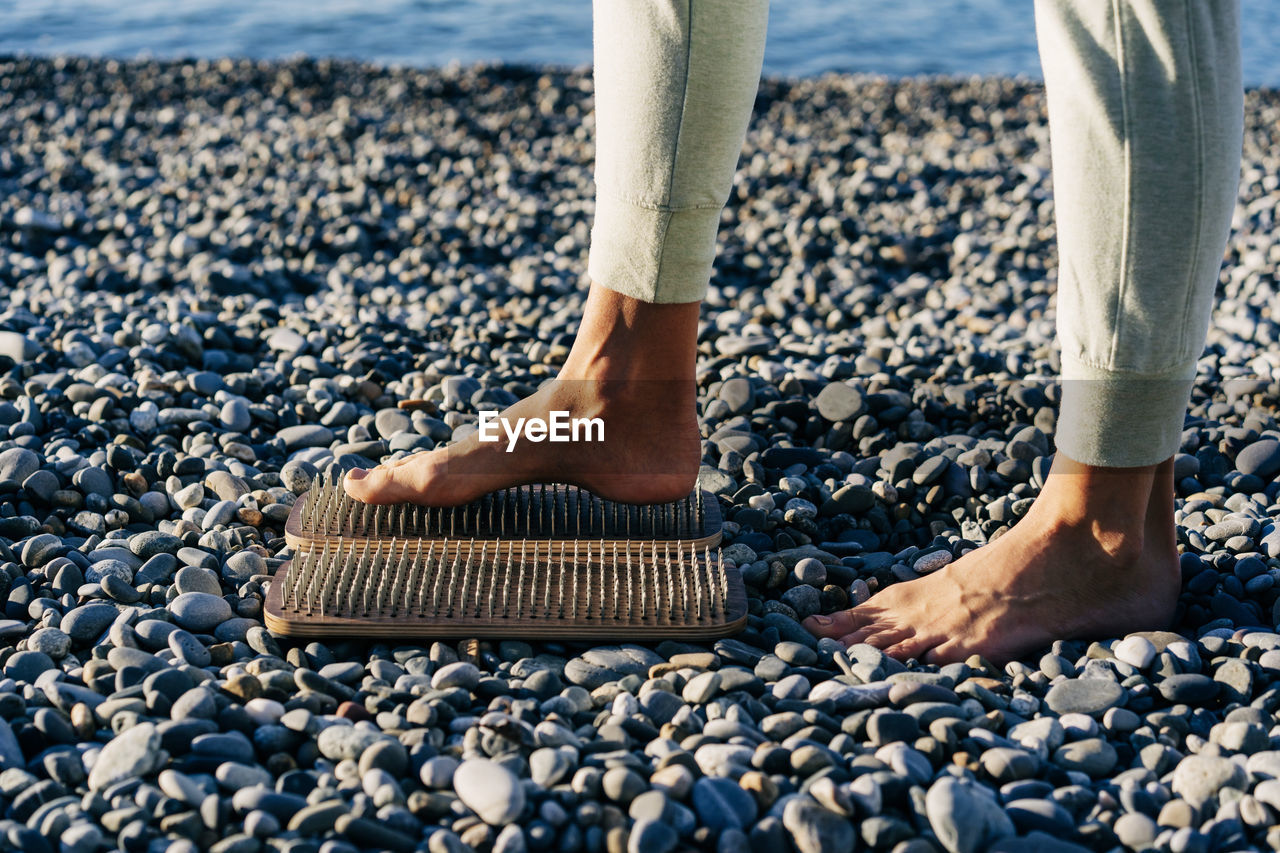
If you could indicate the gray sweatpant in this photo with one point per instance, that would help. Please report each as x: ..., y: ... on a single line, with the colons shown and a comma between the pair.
x: 1145, y: 119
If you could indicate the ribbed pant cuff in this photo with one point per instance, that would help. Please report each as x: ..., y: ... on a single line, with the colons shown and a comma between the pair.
x: 1120, y: 420
x: 653, y: 255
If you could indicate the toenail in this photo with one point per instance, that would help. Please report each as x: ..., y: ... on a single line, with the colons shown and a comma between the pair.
x: 821, y: 620
x: 357, y: 474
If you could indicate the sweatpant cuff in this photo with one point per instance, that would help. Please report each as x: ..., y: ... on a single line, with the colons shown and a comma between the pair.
x: 1121, y: 420
x: 651, y: 254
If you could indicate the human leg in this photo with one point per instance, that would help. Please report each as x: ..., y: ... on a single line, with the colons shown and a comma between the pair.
x: 1145, y: 119
x: 675, y: 83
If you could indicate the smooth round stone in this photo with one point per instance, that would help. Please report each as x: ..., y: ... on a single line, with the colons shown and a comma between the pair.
x: 286, y: 340
x: 461, y: 674
x: 93, y: 481
x: 41, y: 548
x: 490, y: 790
x: 1268, y: 792
x: 1240, y: 736
x: 930, y: 470
x: 226, y: 485
x: 220, y: 514
x: 932, y: 560
x: 157, y: 569
x: 721, y: 804
x: 1076, y: 726
x: 388, y: 755
x: 120, y: 590
x: 151, y: 542
x: 389, y: 422
x: 237, y: 628
x: 28, y: 665
x: 154, y: 633
x: 791, y: 687
x: 965, y: 817
x: 548, y: 766
x: 260, y: 824
x: 1121, y: 720
x: 317, y: 818
x: 102, y: 568
x: 305, y: 435
x: 660, y: 706
x: 1136, y: 651
x: 199, y: 611
x: 79, y: 838
x: 206, y: 383
x: 1261, y: 459
x: 195, y: 704
x: 810, y: 571
x: 134, y: 752
x: 188, y: 648
x: 800, y: 508
x: 193, y: 579
x: 803, y: 599
x: 198, y: 557
x: 884, y: 727
x: 189, y: 496
x: 296, y: 475
x: 86, y: 623
x: 258, y: 796
x: 1091, y: 696
x: 1005, y: 764
x: 1093, y: 756
x: 437, y: 772
x: 1200, y: 777
x: 1136, y: 830
x: 1189, y: 688
x: 126, y: 656
x: 854, y: 498
x: 338, y: 742
x: 1043, y: 815
x: 50, y: 641
x: 622, y: 784
x: 235, y: 416
x: 41, y: 485
x: 241, y: 566
x: 601, y: 665
x: 228, y: 746
x: 18, y: 463
x: 702, y: 688
x: 905, y: 693
x: 838, y: 401
x: 347, y: 672
x: 651, y: 836
x: 795, y: 654
x: 814, y: 829
x: 264, y: 711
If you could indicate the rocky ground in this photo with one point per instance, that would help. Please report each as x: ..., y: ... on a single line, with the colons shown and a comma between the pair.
x: 223, y: 277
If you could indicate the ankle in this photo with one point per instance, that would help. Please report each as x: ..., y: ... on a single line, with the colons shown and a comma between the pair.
x: 1114, y: 541
x: 1119, y: 546
x: 622, y: 338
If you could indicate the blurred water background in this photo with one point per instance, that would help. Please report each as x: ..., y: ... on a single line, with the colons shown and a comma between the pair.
x: 806, y: 37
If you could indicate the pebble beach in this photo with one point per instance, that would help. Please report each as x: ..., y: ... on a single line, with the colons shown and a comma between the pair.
x: 224, y: 277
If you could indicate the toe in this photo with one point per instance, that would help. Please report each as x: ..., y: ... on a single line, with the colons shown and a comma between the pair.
x: 833, y: 625
x: 859, y: 636
x: 950, y: 651
x: 912, y: 646
x: 881, y: 636
x: 373, y: 486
